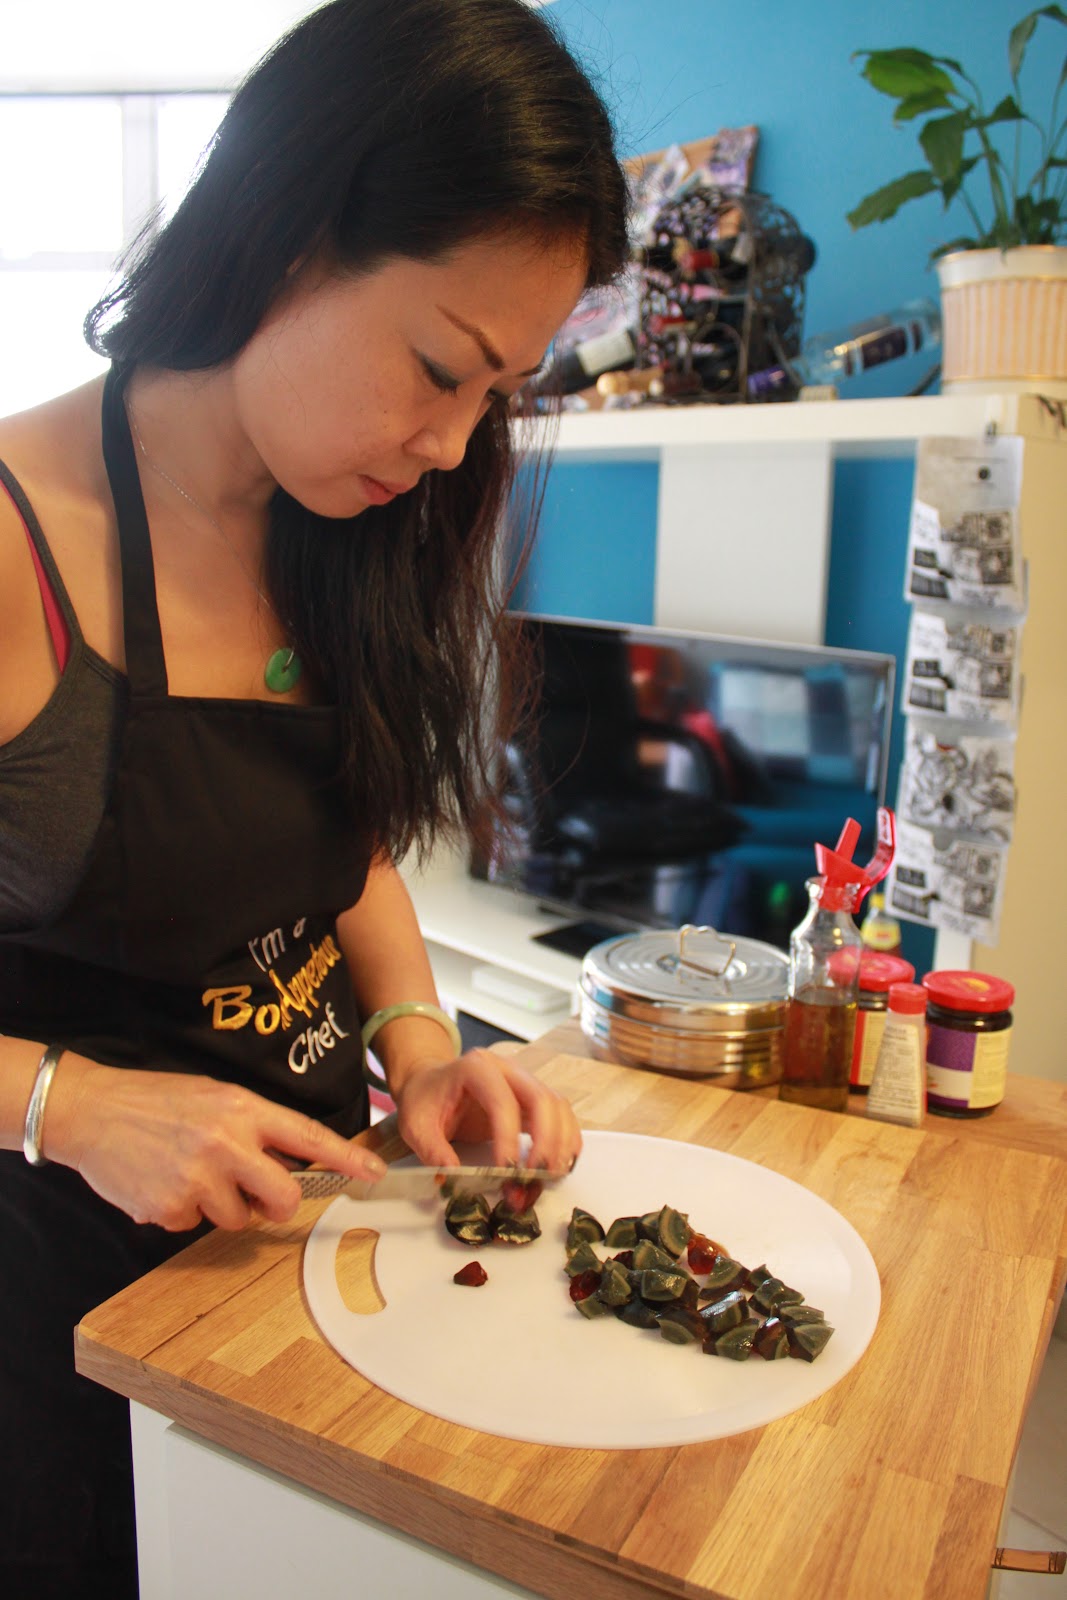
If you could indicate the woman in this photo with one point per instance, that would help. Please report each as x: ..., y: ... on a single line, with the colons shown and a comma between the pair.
x: 248, y: 597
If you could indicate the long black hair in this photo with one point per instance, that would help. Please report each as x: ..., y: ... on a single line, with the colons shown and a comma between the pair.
x: 378, y: 129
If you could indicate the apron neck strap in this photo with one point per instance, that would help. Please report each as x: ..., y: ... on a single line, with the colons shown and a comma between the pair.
x: 146, y: 667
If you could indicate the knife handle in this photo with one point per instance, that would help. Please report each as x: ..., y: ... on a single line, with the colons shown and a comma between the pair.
x: 324, y: 1185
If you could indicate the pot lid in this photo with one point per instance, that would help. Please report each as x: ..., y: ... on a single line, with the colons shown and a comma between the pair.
x: 693, y: 978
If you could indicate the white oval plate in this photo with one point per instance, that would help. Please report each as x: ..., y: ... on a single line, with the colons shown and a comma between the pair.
x: 515, y: 1358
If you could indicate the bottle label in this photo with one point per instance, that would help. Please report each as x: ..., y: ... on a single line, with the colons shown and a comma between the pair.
x: 966, y: 1071
x: 870, y: 1026
x: 887, y: 345
x: 898, y: 1089
x: 881, y: 936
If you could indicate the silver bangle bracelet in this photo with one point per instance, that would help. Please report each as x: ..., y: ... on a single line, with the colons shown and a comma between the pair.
x: 31, y: 1138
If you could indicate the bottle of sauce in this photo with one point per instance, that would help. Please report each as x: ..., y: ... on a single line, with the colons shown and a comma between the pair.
x: 969, y: 1016
x: 824, y: 955
x: 877, y: 975
x: 880, y: 931
x: 898, y: 1088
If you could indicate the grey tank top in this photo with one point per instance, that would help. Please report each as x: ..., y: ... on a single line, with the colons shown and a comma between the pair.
x: 55, y: 776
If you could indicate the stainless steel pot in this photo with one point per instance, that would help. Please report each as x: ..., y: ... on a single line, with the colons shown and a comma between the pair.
x: 693, y: 1001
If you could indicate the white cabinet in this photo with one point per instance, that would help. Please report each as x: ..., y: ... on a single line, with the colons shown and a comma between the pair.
x: 761, y: 571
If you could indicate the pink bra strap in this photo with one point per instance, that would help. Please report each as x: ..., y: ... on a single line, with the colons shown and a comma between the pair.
x: 57, y: 625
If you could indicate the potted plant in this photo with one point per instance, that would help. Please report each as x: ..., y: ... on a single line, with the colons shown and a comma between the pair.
x: 1004, y: 281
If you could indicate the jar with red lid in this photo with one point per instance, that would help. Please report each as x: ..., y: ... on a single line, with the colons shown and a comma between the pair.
x: 877, y: 973
x: 968, y: 1033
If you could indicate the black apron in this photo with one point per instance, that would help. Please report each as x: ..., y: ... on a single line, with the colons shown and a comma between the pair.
x: 202, y: 938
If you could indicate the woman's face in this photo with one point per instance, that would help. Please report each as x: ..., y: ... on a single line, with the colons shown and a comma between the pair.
x: 353, y: 387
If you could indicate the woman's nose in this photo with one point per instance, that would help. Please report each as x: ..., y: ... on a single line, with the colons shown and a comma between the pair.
x: 444, y: 444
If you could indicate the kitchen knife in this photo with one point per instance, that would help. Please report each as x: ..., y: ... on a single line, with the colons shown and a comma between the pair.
x: 414, y: 1183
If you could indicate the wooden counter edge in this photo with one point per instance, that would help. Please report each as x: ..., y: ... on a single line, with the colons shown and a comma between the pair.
x: 556, y: 1567
x: 1033, y: 1115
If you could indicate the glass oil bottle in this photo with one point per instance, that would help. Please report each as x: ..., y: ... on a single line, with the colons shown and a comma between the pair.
x: 824, y: 953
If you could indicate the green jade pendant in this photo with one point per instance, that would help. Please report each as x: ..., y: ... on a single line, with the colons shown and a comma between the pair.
x: 282, y: 671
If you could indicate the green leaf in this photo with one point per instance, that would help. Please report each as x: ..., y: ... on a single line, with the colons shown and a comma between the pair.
x: 1006, y: 111
x: 1036, y: 220
x: 903, y: 73
x: 951, y: 186
x: 1021, y: 34
x: 1018, y: 40
x: 942, y: 142
x: 887, y: 201
x: 916, y: 105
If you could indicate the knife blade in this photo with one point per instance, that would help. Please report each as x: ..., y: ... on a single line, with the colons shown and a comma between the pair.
x: 412, y: 1183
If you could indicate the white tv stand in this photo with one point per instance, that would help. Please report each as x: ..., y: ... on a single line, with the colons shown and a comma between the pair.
x: 467, y: 924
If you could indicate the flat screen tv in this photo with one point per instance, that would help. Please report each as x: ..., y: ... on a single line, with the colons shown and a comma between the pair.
x: 669, y: 777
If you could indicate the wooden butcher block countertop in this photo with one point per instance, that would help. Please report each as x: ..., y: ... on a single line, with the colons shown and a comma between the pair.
x: 890, y: 1484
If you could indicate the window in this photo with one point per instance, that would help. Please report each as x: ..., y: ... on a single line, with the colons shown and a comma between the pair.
x: 79, y: 175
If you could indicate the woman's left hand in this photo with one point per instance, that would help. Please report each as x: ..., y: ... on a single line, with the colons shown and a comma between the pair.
x: 482, y: 1096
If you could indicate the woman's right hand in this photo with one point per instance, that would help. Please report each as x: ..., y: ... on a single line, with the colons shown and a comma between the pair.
x: 175, y: 1149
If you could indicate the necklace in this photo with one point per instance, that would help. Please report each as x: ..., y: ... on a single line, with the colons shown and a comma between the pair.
x: 283, y: 668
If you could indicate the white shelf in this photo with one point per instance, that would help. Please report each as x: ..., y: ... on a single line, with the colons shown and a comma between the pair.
x: 850, y: 427
x: 467, y: 924
x: 452, y: 974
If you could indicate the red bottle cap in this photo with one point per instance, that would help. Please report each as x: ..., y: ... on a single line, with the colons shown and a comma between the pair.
x: 844, y: 881
x: 969, y: 991
x: 909, y: 998
x: 877, y: 971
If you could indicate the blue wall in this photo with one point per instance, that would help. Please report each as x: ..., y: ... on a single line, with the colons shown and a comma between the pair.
x: 826, y: 140
x: 678, y: 72
x: 681, y: 70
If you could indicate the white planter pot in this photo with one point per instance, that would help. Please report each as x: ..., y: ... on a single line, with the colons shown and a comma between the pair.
x: 1004, y: 318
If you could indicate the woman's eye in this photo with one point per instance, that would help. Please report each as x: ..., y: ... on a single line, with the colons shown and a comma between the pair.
x: 439, y: 378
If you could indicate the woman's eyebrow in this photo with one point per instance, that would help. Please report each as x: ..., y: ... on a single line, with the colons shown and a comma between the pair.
x: 489, y: 351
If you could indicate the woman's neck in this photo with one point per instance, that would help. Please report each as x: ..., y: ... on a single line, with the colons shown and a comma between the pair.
x: 187, y: 431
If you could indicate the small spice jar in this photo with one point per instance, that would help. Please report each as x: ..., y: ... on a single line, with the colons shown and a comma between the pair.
x: 877, y: 973
x: 968, y: 1033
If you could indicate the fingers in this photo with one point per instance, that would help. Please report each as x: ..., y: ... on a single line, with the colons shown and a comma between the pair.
x: 429, y: 1113
x: 177, y: 1150
x: 265, y: 1176
x: 289, y: 1133
x: 555, y: 1137
x: 224, y: 1206
x: 483, y: 1096
x: 456, y: 1100
x: 174, y: 1150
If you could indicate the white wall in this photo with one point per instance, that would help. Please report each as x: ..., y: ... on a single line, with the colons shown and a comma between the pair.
x: 143, y: 44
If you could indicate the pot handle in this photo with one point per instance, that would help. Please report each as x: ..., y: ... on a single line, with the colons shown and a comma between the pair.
x: 703, y: 966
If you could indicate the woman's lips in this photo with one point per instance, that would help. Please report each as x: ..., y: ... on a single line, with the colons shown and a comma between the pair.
x: 379, y: 493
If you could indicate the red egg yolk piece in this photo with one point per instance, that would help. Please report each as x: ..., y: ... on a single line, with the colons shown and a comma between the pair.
x: 700, y: 1253
x: 521, y: 1196
x: 584, y: 1284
